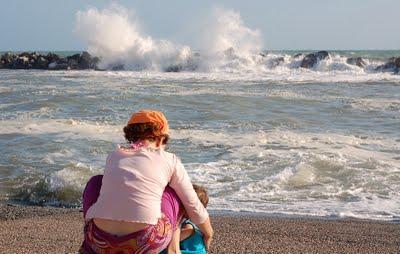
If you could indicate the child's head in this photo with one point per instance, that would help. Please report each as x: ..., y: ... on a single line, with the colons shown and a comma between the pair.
x: 201, y: 193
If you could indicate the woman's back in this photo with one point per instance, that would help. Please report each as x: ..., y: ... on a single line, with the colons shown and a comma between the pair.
x: 133, y: 184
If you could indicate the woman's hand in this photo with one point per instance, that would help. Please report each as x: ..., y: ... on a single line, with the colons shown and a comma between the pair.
x: 207, y: 242
x: 208, y: 233
x: 173, y: 247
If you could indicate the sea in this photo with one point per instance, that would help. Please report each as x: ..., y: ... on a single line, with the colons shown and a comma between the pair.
x: 261, y: 137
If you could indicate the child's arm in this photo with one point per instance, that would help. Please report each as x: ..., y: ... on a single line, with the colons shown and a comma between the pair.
x: 186, y: 231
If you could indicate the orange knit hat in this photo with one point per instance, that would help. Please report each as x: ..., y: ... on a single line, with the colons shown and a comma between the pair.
x: 150, y: 116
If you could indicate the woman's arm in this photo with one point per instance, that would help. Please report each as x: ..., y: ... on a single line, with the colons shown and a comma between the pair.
x: 207, y: 231
x: 187, y: 231
x: 173, y: 247
x: 183, y: 187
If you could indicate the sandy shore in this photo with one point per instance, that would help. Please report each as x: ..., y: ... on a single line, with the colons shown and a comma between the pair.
x: 25, y: 229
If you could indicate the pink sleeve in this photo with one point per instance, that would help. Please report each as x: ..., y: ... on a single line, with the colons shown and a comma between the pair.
x: 182, y: 185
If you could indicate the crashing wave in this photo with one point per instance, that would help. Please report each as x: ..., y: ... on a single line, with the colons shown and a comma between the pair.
x: 228, y: 46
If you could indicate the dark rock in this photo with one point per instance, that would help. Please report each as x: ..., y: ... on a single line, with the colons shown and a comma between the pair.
x: 34, y: 56
x: 276, y: 61
x: 73, y: 64
x: 95, y: 63
x: 389, y: 66
x: 397, y: 62
x: 310, y: 60
x: 174, y: 68
x: 86, y: 61
x: 60, y: 64
x: 42, y: 63
x: 25, y: 54
x: 75, y: 57
x: 393, y: 64
x: 22, y: 62
x: 26, y: 60
x: 72, y: 61
x: 358, y: 61
x: 51, y: 57
x: 298, y: 55
x: 7, y: 59
x: 263, y: 54
x: 118, y: 67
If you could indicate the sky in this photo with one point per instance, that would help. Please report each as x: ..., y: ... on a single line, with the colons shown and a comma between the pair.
x: 284, y: 24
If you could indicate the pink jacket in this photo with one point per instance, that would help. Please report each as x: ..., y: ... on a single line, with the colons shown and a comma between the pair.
x: 133, y: 184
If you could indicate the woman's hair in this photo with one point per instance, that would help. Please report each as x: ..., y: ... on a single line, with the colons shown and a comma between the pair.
x: 201, y: 193
x: 144, y: 131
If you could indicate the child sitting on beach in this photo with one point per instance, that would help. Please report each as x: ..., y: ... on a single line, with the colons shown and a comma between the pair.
x: 191, y: 239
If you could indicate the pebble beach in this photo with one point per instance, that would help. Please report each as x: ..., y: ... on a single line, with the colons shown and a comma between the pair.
x: 33, y: 229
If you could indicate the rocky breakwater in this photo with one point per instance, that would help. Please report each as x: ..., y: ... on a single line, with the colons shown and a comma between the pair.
x: 358, y: 61
x: 310, y: 60
x: 393, y: 64
x: 50, y: 61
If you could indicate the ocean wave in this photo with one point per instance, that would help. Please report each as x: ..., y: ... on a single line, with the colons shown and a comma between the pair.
x: 60, y: 188
x: 277, y: 171
x: 228, y: 46
x: 64, y: 129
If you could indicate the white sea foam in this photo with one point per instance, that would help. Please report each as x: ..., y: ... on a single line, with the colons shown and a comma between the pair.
x: 277, y: 171
x: 299, y: 190
x: 66, y: 129
x: 281, y: 143
x: 287, y: 172
x: 377, y: 104
x: 73, y: 176
x: 279, y: 76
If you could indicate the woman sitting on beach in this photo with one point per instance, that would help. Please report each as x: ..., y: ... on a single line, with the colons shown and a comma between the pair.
x: 131, y: 210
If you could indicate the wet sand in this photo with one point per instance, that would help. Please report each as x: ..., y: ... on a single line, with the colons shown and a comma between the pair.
x: 26, y: 229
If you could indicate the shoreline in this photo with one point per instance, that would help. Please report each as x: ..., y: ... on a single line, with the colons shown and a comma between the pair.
x: 33, y: 229
x: 222, y: 213
x: 22, y: 211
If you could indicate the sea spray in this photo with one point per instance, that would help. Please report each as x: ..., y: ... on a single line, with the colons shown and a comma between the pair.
x: 228, y: 31
x: 224, y: 44
x: 111, y: 34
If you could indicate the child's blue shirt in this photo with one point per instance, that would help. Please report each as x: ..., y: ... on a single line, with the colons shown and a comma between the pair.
x: 193, y: 244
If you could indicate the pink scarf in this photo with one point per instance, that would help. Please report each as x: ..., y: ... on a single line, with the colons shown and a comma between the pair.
x: 134, y: 146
